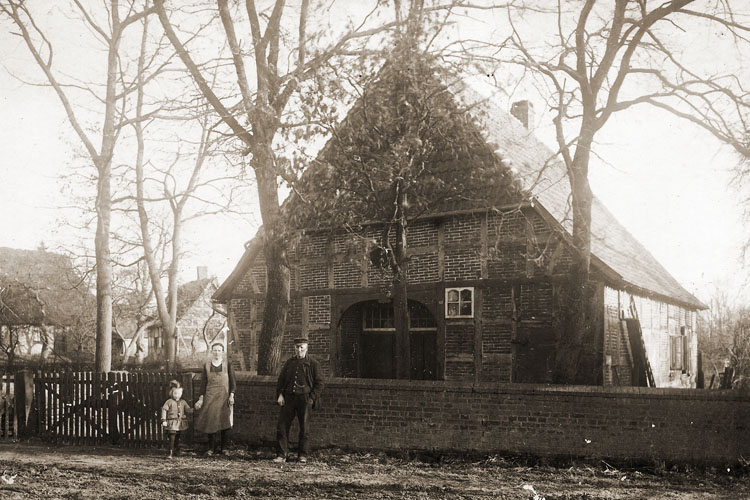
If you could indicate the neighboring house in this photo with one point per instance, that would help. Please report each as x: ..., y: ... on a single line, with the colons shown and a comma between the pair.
x: 199, y: 325
x: 485, y: 284
x: 45, y: 309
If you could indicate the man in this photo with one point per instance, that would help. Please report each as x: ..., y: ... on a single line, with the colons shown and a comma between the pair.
x: 297, y: 390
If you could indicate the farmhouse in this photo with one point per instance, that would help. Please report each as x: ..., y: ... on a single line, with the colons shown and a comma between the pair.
x: 45, y: 310
x: 485, y: 282
x: 198, y: 326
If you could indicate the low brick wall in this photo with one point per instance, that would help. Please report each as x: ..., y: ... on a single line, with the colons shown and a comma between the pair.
x: 627, y: 424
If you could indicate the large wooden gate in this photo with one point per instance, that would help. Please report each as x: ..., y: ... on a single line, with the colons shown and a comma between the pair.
x: 93, y: 408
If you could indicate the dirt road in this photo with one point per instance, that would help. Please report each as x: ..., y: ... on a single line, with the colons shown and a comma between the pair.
x: 32, y: 471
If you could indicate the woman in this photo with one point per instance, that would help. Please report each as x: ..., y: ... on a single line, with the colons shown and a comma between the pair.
x: 216, y: 401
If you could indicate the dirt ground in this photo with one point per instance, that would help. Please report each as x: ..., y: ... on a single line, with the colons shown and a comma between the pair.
x: 33, y: 470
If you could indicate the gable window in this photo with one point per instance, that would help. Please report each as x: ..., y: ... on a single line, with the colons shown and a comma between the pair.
x: 459, y: 302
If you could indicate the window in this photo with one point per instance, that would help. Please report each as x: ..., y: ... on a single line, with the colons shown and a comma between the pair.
x: 378, y: 317
x: 675, y: 358
x: 679, y: 351
x: 459, y: 302
x: 420, y: 318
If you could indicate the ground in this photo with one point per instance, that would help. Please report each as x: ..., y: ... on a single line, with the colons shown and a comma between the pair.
x: 33, y: 470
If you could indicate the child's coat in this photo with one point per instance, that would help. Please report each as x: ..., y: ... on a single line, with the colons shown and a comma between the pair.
x: 175, y: 413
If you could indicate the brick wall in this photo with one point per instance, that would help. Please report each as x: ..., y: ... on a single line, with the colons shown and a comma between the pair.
x: 634, y: 424
x: 514, y: 247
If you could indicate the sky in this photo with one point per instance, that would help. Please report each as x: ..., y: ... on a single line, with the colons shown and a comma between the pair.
x: 668, y: 183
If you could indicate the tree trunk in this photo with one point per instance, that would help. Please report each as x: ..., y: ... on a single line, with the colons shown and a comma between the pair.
x: 400, y: 282
x: 103, y: 357
x: 48, y: 341
x: 401, y: 323
x: 274, y: 250
x: 577, y: 328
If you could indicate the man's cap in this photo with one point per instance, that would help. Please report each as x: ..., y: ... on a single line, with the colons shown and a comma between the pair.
x: 301, y: 339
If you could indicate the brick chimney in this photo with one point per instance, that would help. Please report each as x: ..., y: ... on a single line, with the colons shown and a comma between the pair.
x: 524, y: 112
x: 202, y: 272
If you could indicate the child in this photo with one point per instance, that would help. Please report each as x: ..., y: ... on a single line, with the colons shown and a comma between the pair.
x: 174, y: 414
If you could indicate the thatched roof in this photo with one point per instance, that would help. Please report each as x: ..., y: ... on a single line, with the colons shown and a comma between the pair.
x: 625, y: 263
x: 41, y: 288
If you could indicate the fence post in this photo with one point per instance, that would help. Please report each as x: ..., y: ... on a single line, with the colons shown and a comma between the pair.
x: 24, y: 392
x: 186, y: 379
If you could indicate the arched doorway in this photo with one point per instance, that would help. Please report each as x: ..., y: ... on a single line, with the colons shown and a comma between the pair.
x: 368, y: 341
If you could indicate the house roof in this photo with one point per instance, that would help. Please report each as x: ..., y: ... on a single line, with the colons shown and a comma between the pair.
x: 544, y: 179
x: 40, y: 288
x: 188, y: 293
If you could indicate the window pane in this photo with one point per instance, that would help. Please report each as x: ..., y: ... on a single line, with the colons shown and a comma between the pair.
x: 453, y: 296
x: 465, y: 295
x: 452, y: 309
x: 420, y: 316
x: 466, y: 309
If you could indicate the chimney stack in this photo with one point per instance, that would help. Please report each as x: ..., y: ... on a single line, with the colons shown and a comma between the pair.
x: 524, y: 112
x: 202, y: 272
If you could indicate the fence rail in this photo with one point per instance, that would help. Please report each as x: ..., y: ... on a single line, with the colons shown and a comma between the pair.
x: 93, y: 408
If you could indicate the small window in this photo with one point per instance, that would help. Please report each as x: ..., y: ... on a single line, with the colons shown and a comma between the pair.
x: 378, y: 317
x: 459, y: 302
x: 420, y: 318
x: 677, y: 357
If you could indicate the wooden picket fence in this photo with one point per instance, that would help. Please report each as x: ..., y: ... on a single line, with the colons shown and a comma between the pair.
x: 95, y: 408
x: 8, y: 423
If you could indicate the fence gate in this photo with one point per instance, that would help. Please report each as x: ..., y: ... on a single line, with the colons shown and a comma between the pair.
x: 90, y: 408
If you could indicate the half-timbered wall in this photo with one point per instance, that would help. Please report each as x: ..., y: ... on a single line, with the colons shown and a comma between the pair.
x: 513, y: 263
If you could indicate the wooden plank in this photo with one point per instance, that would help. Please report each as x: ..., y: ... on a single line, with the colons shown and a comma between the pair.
x: 76, y: 384
x: 84, y: 407
x: 121, y: 412
x: 39, y: 404
x: 68, y: 398
x: 138, y: 396
x: 149, y: 407
x: 6, y: 407
x: 55, y: 400
x: 97, y: 399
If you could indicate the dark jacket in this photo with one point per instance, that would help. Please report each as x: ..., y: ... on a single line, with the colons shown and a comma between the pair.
x: 313, y: 378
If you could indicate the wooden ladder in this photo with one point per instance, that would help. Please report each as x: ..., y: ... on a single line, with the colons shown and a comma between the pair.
x: 649, y: 372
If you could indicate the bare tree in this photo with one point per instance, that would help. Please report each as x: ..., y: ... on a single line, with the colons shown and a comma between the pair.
x: 74, y: 97
x: 724, y: 342
x: 604, y: 59
x: 281, y: 63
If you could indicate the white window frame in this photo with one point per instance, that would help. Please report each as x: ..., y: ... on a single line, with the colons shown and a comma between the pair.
x: 459, y: 290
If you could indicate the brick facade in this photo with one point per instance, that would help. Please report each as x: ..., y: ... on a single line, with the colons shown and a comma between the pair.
x: 515, y: 265
x: 496, y: 254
